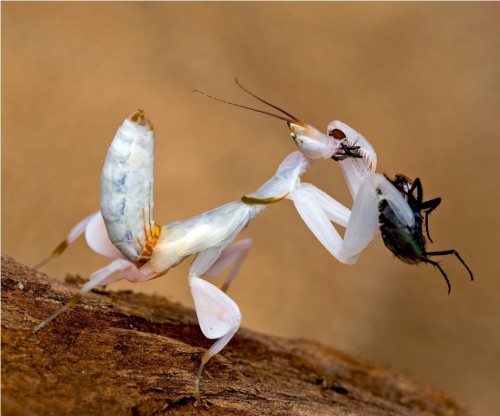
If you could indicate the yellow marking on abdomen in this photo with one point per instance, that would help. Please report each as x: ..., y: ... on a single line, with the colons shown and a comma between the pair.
x: 152, y: 232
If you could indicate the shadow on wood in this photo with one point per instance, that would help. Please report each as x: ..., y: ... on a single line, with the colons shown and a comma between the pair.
x: 121, y: 353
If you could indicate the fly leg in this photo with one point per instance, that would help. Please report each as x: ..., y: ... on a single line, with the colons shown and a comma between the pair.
x: 438, y: 266
x: 428, y: 207
x: 446, y: 253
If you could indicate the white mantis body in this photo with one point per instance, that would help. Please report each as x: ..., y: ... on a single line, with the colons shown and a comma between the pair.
x: 125, y: 231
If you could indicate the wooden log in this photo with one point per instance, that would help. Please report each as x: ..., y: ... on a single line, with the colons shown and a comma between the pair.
x: 122, y: 353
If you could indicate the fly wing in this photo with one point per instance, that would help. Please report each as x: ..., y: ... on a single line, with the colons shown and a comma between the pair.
x: 396, y: 201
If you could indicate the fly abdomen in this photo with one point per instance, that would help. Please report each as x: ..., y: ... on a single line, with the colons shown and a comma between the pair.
x: 406, y: 242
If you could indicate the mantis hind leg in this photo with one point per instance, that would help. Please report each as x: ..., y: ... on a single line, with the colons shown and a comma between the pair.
x: 95, y: 234
x: 75, y: 232
x: 113, y: 272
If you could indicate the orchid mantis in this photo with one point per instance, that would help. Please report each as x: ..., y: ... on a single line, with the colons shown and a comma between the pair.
x: 124, y: 230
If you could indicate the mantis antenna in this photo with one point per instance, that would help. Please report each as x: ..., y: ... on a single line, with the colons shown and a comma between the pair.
x: 292, y: 119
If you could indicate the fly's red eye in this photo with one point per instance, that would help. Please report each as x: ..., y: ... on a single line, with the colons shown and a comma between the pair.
x: 337, y: 134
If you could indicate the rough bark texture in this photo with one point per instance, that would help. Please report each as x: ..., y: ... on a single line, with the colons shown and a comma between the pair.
x: 121, y: 353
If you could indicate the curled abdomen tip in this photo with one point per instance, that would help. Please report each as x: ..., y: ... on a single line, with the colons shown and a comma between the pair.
x: 140, y: 118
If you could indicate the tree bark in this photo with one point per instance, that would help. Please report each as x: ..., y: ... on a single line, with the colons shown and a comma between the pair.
x: 122, y: 353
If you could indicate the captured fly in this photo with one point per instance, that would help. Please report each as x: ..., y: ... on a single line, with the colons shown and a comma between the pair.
x: 407, y: 242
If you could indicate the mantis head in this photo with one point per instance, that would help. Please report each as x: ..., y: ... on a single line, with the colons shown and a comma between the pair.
x: 311, y: 142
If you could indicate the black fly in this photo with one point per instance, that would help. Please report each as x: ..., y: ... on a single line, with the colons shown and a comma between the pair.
x: 408, y: 243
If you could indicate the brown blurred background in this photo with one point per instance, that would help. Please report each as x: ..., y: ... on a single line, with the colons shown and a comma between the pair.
x: 419, y: 80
